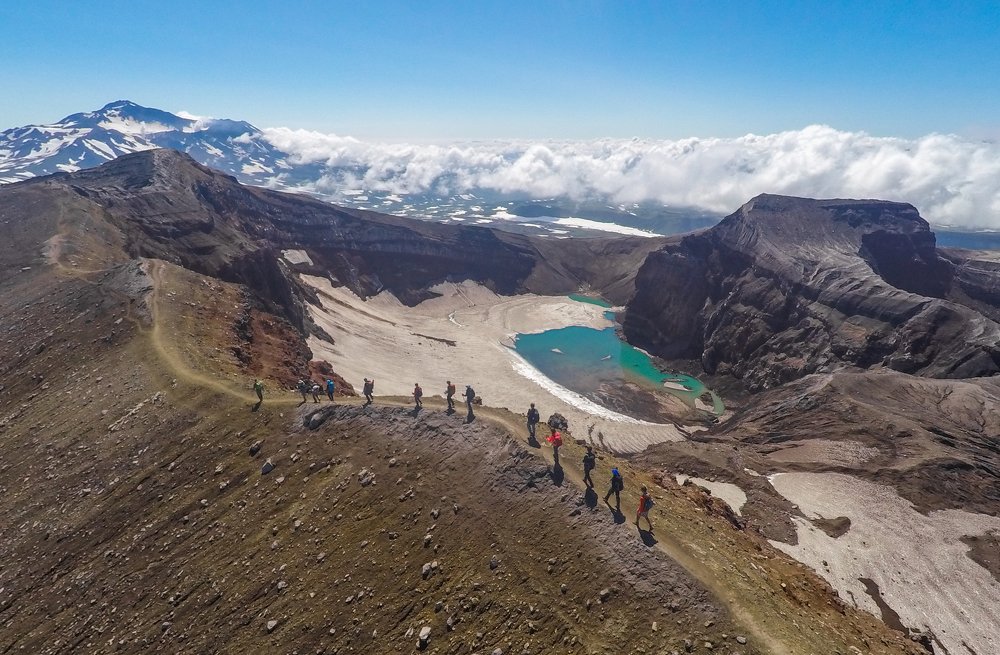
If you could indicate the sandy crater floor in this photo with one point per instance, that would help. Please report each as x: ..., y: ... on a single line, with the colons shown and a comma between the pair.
x: 460, y: 336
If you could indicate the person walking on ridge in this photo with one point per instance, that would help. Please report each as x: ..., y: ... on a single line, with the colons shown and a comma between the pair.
x: 555, y: 438
x: 645, y: 504
x: 617, y: 485
x: 330, y: 388
x: 533, y: 418
x: 303, y: 389
x: 470, y: 396
x: 418, y: 393
x: 589, y: 462
x: 368, y: 390
x: 315, y: 392
x: 449, y: 394
x: 258, y: 388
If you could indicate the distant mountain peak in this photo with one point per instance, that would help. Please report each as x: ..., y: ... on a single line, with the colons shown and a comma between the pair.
x: 120, y: 127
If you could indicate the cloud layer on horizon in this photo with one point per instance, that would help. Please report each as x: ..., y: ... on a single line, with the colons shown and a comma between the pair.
x: 952, y: 181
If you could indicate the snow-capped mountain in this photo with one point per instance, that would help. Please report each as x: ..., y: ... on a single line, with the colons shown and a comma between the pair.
x: 89, y: 139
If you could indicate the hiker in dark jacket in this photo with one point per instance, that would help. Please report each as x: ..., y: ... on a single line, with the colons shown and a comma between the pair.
x: 589, y: 462
x: 617, y: 484
x: 368, y: 390
x: 303, y: 389
x: 258, y: 388
x: 533, y: 418
x: 418, y: 393
x: 470, y: 395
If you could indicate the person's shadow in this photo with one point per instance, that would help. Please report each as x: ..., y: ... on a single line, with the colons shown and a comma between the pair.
x: 415, y: 411
x: 590, y: 498
x: 647, y: 538
x: 256, y: 406
x: 616, y: 515
x: 557, y: 474
x: 470, y: 417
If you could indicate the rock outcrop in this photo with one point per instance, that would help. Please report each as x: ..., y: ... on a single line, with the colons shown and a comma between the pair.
x: 785, y: 287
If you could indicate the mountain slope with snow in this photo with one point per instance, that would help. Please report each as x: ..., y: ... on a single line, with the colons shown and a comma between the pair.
x: 89, y: 139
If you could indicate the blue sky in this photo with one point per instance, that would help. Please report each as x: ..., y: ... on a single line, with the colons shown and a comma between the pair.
x: 458, y: 70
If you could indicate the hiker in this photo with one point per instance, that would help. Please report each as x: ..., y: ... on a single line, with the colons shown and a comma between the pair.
x: 589, y: 462
x: 533, y: 418
x: 470, y: 395
x: 316, y: 390
x: 258, y: 388
x: 555, y: 438
x: 303, y: 389
x: 617, y: 484
x: 330, y: 388
x: 449, y: 393
x: 645, y: 504
x: 418, y: 393
x: 368, y: 390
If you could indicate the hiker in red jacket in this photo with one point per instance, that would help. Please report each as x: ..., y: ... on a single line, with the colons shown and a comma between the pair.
x: 645, y: 504
x: 555, y: 438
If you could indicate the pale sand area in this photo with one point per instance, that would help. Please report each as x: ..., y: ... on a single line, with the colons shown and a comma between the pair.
x: 398, y: 345
x: 918, y: 562
x: 833, y: 453
x: 727, y: 492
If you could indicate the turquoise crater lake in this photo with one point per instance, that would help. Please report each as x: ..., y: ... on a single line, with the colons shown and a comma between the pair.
x: 585, y: 360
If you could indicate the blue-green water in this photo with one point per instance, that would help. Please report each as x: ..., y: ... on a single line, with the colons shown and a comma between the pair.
x: 582, y: 359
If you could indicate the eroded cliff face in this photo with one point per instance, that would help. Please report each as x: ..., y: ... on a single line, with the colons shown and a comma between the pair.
x: 785, y: 287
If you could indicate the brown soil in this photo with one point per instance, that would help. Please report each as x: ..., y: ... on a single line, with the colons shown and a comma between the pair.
x: 836, y: 527
x: 985, y: 551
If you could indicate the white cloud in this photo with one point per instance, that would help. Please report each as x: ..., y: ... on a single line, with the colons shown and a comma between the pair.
x: 950, y: 180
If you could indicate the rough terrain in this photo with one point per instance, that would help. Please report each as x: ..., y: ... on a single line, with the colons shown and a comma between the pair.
x: 143, y: 513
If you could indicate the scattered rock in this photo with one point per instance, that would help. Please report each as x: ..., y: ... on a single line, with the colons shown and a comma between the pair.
x: 271, y: 625
x: 267, y: 467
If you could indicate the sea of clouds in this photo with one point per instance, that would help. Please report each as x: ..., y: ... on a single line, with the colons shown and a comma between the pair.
x: 951, y: 180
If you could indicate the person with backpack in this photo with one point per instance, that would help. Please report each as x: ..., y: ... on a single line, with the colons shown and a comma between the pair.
x: 303, y: 389
x: 316, y: 390
x: 449, y: 394
x: 645, y: 504
x: 555, y: 438
x: 617, y: 485
x: 368, y: 390
x: 330, y: 388
x: 258, y: 388
x: 470, y: 395
x: 418, y: 393
x: 589, y: 462
x: 533, y: 418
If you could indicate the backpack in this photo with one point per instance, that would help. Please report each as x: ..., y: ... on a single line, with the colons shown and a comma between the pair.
x: 470, y: 393
x: 533, y: 416
x: 649, y: 503
x: 618, y: 482
x: 418, y: 392
x: 588, y: 462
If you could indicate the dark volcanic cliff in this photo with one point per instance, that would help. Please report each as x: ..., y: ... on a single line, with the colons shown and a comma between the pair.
x: 789, y: 286
x: 168, y: 207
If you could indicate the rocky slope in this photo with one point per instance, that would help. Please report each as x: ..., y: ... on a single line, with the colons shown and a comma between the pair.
x: 785, y: 287
x: 144, y: 514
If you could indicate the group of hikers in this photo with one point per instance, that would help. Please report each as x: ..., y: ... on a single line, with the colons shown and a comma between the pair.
x: 617, y: 483
x: 449, y: 394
